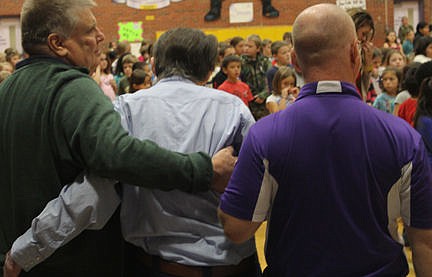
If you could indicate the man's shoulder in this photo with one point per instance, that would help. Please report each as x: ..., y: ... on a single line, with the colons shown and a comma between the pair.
x: 52, y: 73
x: 183, y: 88
x: 387, y: 124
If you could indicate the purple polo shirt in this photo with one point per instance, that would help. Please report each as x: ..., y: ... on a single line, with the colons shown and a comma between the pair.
x: 331, y: 175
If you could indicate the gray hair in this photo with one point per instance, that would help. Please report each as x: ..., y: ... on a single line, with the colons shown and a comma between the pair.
x: 185, y: 52
x: 39, y: 18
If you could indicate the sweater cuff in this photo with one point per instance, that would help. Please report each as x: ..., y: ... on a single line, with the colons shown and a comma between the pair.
x: 202, y: 171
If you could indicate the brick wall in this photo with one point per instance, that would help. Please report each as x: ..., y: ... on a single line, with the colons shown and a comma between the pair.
x: 190, y: 13
x: 10, y: 7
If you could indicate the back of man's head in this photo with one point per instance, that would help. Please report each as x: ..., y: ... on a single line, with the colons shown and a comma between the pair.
x: 39, y: 18
x: 185, y: 52
x: 323, y: 36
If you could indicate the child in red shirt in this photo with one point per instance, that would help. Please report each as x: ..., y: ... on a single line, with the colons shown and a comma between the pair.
x: 231, y: 66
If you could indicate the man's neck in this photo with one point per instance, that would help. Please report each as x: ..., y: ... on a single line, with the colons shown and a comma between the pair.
x: 328, y: 76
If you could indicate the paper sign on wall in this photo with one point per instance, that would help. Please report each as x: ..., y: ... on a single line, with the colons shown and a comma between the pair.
x: 146, y: 4
x: 130, y: 31
x: 4, y: 38
x: 348, y: 4
x: 241, y: 12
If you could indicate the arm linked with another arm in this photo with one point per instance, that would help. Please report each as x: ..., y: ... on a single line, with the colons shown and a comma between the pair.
x: 87, y: 203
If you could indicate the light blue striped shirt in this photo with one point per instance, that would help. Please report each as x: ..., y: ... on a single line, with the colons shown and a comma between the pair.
x: 182, y: 116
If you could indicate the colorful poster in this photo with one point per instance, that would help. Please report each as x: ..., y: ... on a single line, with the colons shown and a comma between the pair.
x: 130, y: 31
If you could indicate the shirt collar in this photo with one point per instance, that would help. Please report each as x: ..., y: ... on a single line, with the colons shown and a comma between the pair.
x: 175, y: 79
x: 49, y: 59
x: 328, y: 87
x: 38, y: 58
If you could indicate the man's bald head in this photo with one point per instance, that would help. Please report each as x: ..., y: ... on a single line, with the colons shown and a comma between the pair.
x: 322, y: 33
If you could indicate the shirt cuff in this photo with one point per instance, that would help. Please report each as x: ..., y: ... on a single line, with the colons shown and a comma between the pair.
x: 25, y: 252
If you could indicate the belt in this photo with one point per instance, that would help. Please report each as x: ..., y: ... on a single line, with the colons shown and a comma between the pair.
x: 244, y: 268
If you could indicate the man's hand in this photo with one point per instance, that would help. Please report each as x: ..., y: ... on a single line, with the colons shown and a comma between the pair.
x: 223, y: 166
x: 367, y: 50
x: 10, y: 268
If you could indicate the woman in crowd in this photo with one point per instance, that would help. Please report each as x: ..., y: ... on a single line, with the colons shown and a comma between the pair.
x: 365, y: 29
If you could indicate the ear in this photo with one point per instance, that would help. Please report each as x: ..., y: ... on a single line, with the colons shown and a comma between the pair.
x: 353, y: 52
x: 294, y: 61
x: 56, y: 45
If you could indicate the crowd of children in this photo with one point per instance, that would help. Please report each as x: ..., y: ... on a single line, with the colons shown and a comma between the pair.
x: 260, y: 73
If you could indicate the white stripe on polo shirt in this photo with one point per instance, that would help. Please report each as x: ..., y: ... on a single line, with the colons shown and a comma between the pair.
x: 399, y: 202
x: 269, y: 188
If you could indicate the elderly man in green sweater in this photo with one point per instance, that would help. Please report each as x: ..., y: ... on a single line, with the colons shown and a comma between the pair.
x: 56, y: 123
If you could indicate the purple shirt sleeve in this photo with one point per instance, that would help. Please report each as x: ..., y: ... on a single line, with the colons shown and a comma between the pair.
x: 243, y: 191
